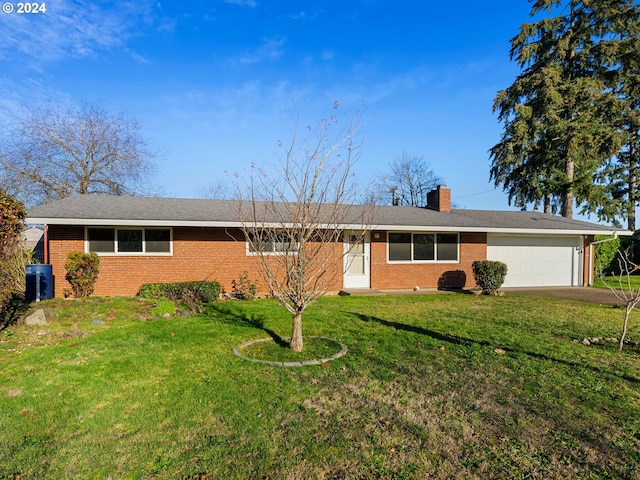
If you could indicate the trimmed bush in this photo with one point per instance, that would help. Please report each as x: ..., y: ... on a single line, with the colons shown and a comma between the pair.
x: 82, y: 272
x: 489, y: 275
x: 200, y: 291
x: 151, y: 290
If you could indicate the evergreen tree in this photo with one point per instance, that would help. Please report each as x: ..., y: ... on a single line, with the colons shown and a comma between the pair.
x: 622, y: 76
x: 561, y: 129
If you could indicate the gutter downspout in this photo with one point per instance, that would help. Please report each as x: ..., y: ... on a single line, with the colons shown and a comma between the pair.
x: 45, y: 245
x: 615, y: 235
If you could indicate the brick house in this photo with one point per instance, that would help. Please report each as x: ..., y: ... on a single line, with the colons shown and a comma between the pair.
x: 142, y: 240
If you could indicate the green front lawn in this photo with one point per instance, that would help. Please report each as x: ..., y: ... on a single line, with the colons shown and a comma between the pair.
x: 619, y: 282
x: 433, y: 386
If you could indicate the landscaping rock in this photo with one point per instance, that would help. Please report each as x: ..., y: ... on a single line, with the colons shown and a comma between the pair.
x: 39, y: 317
x: 73, y: 334
x: 586, y: 341
x: 97, y: 322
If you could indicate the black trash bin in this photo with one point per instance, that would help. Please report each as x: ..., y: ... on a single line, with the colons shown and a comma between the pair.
x: 39, y: 282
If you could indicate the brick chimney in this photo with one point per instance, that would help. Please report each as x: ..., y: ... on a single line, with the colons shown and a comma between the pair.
x: 439, y: 199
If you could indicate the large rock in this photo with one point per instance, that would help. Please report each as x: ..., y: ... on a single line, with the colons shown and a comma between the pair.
x: 39, y: 317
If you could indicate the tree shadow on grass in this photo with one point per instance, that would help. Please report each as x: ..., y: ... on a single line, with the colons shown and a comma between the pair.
x: 12, y: 313
x: 457, y: 340
x: 230, y: 315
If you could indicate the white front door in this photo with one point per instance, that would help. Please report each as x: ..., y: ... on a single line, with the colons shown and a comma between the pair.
x: 356, y: 260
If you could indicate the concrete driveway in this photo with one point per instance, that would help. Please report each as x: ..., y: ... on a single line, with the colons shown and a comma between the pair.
x: 602, y: 296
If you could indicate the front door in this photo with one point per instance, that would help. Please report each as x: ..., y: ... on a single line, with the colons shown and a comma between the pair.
x: 356, y: 260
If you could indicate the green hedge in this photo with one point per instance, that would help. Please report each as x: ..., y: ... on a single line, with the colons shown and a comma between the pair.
x: 201, y: 291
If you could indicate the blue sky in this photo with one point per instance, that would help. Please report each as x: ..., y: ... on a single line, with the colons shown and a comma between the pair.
x: 215, y: 83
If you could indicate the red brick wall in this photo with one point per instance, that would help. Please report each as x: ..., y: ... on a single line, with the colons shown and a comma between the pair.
x: 587, y: 262
x: 198, y: 254
x: 473, y: 246
x: 219, y: 254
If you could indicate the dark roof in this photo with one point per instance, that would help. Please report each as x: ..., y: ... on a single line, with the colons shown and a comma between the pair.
x: 141, y: 211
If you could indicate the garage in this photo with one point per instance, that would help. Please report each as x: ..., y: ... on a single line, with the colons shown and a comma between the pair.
x: 537, y: 261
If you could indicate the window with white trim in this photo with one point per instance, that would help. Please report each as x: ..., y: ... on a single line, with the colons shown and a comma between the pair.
x: 423, y: 247
x: 271, y: 243
x: 128, y: 241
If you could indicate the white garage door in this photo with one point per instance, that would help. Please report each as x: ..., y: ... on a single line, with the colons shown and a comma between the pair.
x: 537, y: 261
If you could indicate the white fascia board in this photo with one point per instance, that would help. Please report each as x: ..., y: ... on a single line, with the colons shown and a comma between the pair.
x: 514, y: 231
x: 173, y: 223
x: 128, y: 223
x: 541, y: 231
x: 396, y: 228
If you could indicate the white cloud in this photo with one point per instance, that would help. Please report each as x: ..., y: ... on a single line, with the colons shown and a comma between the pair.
x: 306, y: 15
x: 70, y: 28
x: 270, y: 50
x: 242, y: 3
x: 327, y: 55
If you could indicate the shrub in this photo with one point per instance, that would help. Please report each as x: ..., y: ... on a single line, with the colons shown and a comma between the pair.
x: 243, y: 288
x: 605, y: 254
x: 151, y: 290
x: 162, y: 308
x: 489, y: 275
x: 12, y: 215
x: 189, y: 294
x: 82, y: 272
x: 200, y: 291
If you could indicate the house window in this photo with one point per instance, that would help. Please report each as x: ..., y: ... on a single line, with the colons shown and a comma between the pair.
x: 101, y: 240
x: 129, y: 241
x: 400, y: 247
x: 271, y: 243
x: 157, y: 240
x: 423, y: 247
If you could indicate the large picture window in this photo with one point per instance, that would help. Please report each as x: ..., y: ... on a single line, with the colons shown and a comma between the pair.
x: 423, y: 247
x: 128, y: 241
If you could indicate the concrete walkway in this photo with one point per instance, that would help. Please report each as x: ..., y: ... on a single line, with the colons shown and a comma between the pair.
x: 602, y: 296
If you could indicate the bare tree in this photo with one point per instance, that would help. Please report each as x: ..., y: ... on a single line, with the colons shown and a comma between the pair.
x: 294, y: 215
x: 57, y: 152
x: 624, y: 288
x: 218, y: 189
x: 408, y: 182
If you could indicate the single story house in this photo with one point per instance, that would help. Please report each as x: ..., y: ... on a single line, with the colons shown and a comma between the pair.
x: 143, y: 240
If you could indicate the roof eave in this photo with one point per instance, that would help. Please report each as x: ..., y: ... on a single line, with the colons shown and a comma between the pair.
x: 200, y: 223
x: 519, y: 231
x: 129, y: 223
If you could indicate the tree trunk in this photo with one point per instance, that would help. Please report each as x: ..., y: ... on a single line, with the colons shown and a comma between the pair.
x: 633, y: 186
x: 567, y: 198
x: 547, y: 203
x: 624, y: 325
x: 296, y: 332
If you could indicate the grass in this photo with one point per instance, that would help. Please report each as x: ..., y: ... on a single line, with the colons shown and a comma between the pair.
x: 634, y: 282
x: 278, y: 350
x: 452, y: 386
